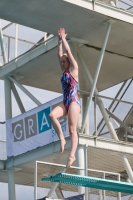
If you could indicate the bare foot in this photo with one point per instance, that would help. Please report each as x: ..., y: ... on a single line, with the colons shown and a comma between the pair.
x: 70, y: 161
x: 62, y: 144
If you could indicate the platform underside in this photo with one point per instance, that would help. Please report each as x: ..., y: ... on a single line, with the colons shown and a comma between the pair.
x: 81, y: 23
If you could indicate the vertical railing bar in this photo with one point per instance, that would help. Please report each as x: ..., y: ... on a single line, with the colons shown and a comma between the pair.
x: 35, y: 180
x: 95, y: 115
x: 119, y: 193
x: 98, y: 67
x: 86, y: 169
x: 16, y: 40
x: 8, y: 49
x: 104, y: 190
x: 2, y: 46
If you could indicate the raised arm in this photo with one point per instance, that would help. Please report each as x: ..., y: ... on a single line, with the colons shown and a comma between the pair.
x: 67, y: 49
x: 60, y: 51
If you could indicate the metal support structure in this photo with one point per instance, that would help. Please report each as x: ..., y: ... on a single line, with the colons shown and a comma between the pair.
x: 117, y: 124
x: 84, y: 103
x: 95, y: 115
x: 104, y: 113
x: 120, y: 122
x: 100, y: 195
x: 116, y: 3
x: 59, y: 193
x: 96, y: 74
x: 112, y: 103
x: 16, y: 40
x: 8, y: 101
x: 9, y: 49
x: 11, y: 184
x: 19, y: 39
x: 80, y: 161
x: 26, y: 91
x: 2, y: 46
x: 45, y: 36
x: 35, y: 180
x: 127, y: 167
x: 99, y: 101
x: 114, y: 100
x: 126, y: 138
x: 119, y: 193
x: 7, y: 26
x: 131, y: 197
x: 104, y: 195
x: 54, y: 186
x: 18, y: 100
x: 73, y: 46
x: 86, y: 169
x: 8, y: 112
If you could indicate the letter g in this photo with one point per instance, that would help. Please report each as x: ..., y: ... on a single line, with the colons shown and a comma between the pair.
x: 20, y: 132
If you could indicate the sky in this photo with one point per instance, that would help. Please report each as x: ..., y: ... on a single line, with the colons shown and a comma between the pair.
x: 25, y: 192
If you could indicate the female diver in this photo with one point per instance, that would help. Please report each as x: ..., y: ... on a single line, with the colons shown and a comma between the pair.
x: 71, y: 101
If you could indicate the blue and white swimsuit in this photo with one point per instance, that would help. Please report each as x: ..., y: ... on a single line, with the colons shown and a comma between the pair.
x: 70, y: 89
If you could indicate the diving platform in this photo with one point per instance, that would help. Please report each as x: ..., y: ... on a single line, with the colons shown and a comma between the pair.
x: 110, y: 161
x: 90, y: 182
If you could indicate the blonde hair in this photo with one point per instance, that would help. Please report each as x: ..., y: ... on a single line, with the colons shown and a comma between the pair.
x: 66, y: 56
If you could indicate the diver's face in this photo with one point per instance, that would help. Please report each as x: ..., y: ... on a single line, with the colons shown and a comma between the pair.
x: 65, y: 63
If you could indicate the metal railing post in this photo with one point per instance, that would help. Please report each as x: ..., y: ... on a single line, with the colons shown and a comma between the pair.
x: 8, y: 99
x: 95, y: 115
x: 116, y: 2
x: 119, y: 193
x: 54, y: 186
x: 8, y: 49
x: 99, y: 101
x: 2, y: 46
x: 96, y: 74
x: 86, y: 169
x: 104, y: 190
x: 35, y: 180
x: 45, y: 36
x: 11, y: 184
x: 16, y: 40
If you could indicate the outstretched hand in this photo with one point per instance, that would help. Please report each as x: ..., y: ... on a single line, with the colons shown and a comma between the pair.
x: 61, y: 33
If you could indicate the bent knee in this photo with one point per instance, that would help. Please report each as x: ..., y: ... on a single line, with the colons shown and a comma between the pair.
x: 52, y: 115
x: 72, y: 130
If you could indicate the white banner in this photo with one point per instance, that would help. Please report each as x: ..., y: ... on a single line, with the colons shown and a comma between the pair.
x: 33, y: 129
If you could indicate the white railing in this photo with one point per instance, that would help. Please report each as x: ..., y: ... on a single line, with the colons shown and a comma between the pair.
x: 13, y: 46
x: 120, y: 4
x: 37, y: 170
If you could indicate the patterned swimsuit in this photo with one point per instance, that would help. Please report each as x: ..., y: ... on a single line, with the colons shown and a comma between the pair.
x: 69, y: 88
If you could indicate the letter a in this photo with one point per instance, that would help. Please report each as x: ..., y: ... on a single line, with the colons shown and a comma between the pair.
x: 46, y: 121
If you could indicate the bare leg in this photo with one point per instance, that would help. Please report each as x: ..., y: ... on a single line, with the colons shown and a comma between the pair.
x: 73, y: 114
x: 56, y: 113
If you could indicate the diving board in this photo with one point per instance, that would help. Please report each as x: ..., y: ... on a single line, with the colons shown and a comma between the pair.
x: 91, y: 182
